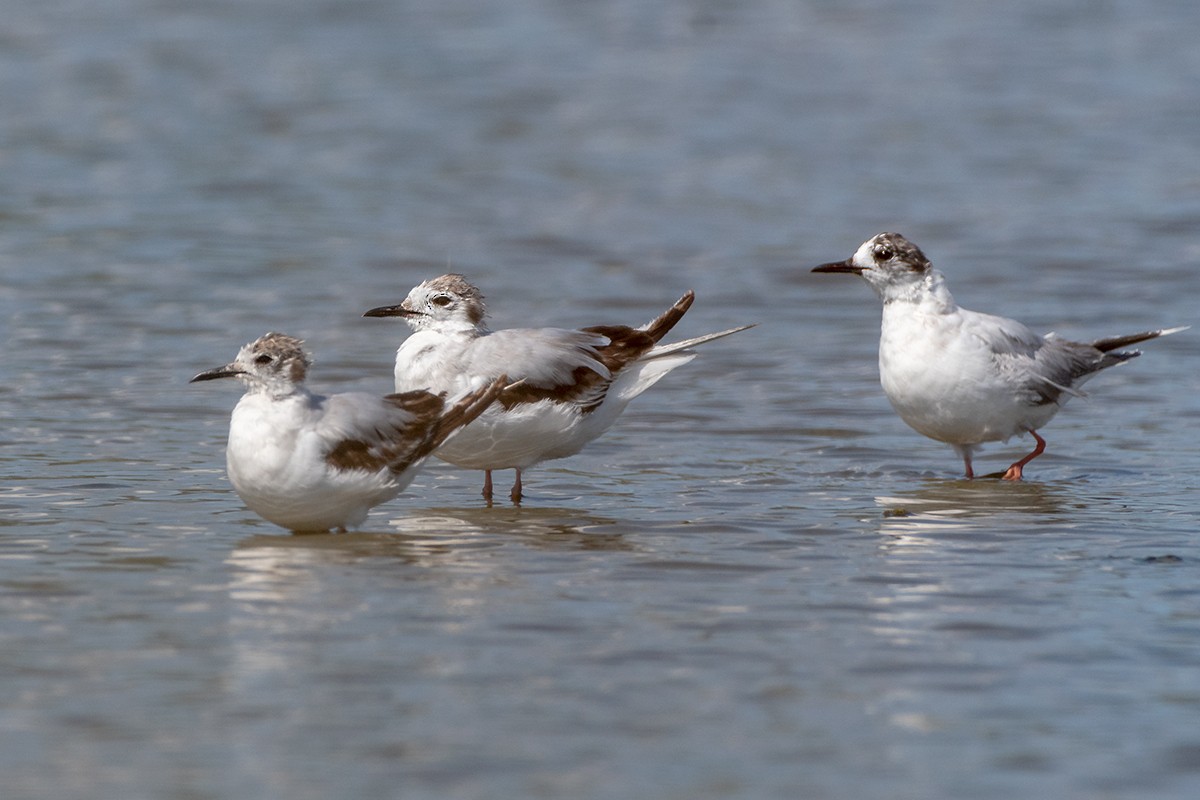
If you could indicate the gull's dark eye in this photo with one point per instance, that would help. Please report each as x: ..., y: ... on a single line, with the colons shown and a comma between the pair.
x: 440, y: 300
x: 263, y: 359
x: 883, y: 252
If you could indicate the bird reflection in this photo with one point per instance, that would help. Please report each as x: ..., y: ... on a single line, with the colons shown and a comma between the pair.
x: 434, y: 572
x: 549, y: 528
x: 945, y: 506
x: 425, y: 536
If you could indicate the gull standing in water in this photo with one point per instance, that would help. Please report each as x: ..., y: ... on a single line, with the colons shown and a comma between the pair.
x: 307, y: 462
x: 573, y: 384
x: 962, y: 377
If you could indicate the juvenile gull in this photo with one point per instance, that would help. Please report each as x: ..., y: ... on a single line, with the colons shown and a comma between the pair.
x: 311, y: 463
x: 573, y: 383
x: 962, y: 377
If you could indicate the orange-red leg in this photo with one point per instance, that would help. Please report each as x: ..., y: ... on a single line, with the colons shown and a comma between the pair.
x: 1014, y: 472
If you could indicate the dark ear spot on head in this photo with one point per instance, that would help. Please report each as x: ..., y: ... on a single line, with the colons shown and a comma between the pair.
x: 893, y: 246
x: 911, y: 255
x: 920, y: 264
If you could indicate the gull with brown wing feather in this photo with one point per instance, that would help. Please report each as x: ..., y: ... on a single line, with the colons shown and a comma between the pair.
x: 573, y: 383
x: 309, y: 462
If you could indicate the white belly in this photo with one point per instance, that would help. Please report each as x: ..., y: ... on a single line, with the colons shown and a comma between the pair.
x: 523, y: 436
x: 949, y: 387
x: 281, y: 474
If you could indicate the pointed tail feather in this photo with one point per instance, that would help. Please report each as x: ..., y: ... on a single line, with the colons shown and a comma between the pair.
x: 674, y: 347
x: 1117, y: 342
x: 662, y: 324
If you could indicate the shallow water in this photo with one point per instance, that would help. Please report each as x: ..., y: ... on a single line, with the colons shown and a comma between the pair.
x: 760, y: 583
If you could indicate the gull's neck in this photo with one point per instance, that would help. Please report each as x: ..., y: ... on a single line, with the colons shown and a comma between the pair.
x: 277, y: 390
x: 928, y: 295
x: 456, y: 328
x: 460, y: 329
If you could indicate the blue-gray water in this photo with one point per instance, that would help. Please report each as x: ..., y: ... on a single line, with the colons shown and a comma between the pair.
x: 760, y: 584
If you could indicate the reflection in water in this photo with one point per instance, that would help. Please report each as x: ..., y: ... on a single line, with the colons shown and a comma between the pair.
x: 938, y: 597
x: 329, y: 609
x: 958, y: 506
x: 458, y: 538
x: 551, y: 528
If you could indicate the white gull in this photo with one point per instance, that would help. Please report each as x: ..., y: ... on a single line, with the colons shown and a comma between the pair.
x: 309, y: 462
x: 963, y: 377
x: 573, y: 384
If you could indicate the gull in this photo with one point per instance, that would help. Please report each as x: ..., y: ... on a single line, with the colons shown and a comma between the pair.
x: 309, y: 462
x: 963, y: 377
x: 573, y: 383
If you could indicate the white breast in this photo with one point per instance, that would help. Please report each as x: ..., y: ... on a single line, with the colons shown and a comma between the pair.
x: 276, y: 463
x: 945, y: 382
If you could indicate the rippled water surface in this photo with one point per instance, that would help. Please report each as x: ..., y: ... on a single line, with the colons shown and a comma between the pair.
x: 760, y: 583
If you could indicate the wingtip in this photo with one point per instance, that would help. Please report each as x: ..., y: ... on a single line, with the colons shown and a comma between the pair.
x: 684, y: 303
x: 1116, y: 342
x: 658, y: 327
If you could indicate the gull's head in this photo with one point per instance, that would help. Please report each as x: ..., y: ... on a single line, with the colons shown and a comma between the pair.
x: 889, y: 262
x: 448, y: 302
x: 273, y: 363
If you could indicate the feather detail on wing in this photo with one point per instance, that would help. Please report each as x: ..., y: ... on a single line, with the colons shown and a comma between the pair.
x: 1047, y: 367
x: 1065, y: 364
x: 1060, y: 366
x: 577, y: 367
x: 413, y: 426
x: 541, y: 357
x: 1001, y: 335
x: 599, y: 354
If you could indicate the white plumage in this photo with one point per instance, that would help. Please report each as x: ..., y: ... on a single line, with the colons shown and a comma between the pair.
x: 309, y: 462
x: 963, y: 377
x: 573, y: 384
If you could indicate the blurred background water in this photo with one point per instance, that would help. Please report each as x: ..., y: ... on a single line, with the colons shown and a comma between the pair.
x: 760, y: 583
